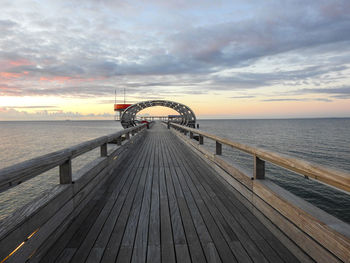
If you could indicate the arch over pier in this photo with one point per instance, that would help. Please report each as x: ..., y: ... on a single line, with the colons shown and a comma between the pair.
x: 188, y: 118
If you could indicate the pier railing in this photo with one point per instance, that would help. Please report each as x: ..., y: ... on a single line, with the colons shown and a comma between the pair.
x: 337, y: 179
x: 36, y: 226
x: 19, y: 173
x: 322, y: 236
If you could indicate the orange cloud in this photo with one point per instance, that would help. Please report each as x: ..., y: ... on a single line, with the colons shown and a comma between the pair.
x: 8, y: 91
x: 20, y: 62
x: 9, y: 75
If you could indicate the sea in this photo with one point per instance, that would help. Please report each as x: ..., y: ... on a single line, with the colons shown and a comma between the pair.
x: 321, y: 141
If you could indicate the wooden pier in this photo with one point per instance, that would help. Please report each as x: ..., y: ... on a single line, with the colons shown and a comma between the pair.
x: 159, y: 198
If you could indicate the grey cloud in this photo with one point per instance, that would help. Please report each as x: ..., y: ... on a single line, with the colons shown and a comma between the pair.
x: 342, y: 92
x: 232, y: 43
x: 196, y: 50
x: 31, y: 107
x: 343, y: 96
x: 7, y: 24
x: 243, y: 97
x: 345, y: 90
x: 296, y: 99
x: 10, y: 114
x: 188, y: 59
x: 251, y: 80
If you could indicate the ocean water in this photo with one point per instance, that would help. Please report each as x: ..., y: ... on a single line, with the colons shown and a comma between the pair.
x: 23, y: 140
x: 323, y: 141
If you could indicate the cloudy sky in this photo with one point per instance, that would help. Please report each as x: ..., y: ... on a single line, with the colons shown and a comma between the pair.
x: 225, y: 59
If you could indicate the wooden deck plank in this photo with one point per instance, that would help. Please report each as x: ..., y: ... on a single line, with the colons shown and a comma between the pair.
x: 112, y: 247
x: 201, y: 229
x: 167, y: 243
x: 181, y: 246
x: 229, y: 228
x: 66, y: 236
x: 259, y: 233
x: 119, y: 195
x: 195, y: 248
x: 273, y: 250
x: 141, y: 240
x: 89, y: 241
x: 261, y: 250
x: 194, y: 245
x: 253, y: 228
x: 219, y: 240
x: 167, y: 205
x: 129, y: 235
x: 232, y: 241
x: 153, y: 250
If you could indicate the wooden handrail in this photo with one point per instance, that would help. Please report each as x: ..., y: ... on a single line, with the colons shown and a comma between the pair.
x: 18, y: 173
x: 337, y: 179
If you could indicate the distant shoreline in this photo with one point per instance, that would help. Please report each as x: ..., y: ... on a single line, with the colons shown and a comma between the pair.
x: 198, y: 119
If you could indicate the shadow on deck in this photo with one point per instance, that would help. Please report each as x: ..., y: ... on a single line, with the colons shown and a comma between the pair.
x: 165, y: 204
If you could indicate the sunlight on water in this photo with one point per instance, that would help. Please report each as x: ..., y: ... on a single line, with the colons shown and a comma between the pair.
x: 20, y: 141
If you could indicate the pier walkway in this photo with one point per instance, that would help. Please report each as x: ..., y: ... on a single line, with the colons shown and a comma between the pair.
x: 165, y: 204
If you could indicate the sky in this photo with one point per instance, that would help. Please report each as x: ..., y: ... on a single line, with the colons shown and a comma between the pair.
x: 65, y: 59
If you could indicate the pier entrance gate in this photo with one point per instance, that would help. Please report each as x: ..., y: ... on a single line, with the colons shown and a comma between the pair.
x: 128, y: 117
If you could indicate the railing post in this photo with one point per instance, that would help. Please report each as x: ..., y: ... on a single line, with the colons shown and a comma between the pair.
x: 218, y: 148
x: 200, y: 139
x: 191, y: 135
x: 104, y: 150
x: 185, y: 132
x: 66, y: 172
x: 259, y: 168
x: 168, y: 125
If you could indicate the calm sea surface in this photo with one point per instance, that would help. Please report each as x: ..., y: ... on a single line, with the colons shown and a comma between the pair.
x: 323, y: 141
x: 20, y: 141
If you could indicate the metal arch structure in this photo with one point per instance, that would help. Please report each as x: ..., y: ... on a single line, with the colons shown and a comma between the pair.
x: 188, y: 118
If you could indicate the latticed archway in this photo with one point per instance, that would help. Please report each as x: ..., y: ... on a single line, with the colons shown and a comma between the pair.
x: 187, y: 116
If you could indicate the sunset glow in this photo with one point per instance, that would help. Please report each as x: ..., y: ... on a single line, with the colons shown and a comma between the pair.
x: 224, y: 59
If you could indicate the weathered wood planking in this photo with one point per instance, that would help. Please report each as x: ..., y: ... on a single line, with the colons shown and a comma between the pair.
x: 287, y: 213
x: 159, y: 210
x: 235, y: 233
x: 49, y: 207
x: 157, y: 199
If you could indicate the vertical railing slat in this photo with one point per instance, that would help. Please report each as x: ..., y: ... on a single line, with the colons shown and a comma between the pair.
x: 201, y: 139
x: 259, y: 168
x: 218, y: 148
x: 66, y: 172
x: 104, y: 150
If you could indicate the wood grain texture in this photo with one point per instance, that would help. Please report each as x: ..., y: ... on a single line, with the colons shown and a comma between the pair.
x: 18, y: 226
x: 338, y: 179
x: 159, y: 198
x: 300, y: 221
x: 159, y: 210
x: 18, y: 173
